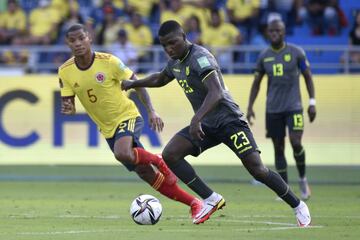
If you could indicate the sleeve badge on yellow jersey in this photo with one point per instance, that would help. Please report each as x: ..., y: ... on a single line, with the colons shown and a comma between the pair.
x: 100, y: 77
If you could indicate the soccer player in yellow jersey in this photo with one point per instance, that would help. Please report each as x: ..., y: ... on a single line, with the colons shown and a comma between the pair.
x: 95, y: 79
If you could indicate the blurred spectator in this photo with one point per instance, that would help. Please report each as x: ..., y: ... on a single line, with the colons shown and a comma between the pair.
x: 323, y: 16
x: 14, y: 58
x: 220, y: 34
x: 43, y: 23
x: 97, y: 16
x: 12, y: 23
x: 63, y: 6
x: 244, y: 15
x: 354, y: 39
x: 74, y: 17
x: 203, y: 11
x: 138, y: 33
x: 193, y: 29
x: 140, y: 37
x: 109, y: 28
x: 143, y: 8
x: 288, y: 10
x: 176, y: 10
x: 124, y: 50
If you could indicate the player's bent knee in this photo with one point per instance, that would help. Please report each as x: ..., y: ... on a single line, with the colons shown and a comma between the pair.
x: 124, y: 157
x: 169, y: 156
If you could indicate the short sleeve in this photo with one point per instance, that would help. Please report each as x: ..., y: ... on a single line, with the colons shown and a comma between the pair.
x: 303, y: 62
x: 65, y: 87
x: 120, y: 70
x: 259, y: 69
x: 203, y: 64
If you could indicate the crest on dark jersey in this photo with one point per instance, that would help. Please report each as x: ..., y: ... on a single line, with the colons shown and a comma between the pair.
x: 287, y: 57
x: 100, y: 77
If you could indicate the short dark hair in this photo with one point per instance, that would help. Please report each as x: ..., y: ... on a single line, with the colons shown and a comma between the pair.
x: 75, y: 27
x: 169, y: 27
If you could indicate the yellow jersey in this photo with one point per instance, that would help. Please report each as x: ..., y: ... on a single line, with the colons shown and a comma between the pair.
x: 98, y: 89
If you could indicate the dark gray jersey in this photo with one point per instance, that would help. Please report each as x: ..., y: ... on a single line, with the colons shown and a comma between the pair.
x: 190, y: 73
x: 283, y: 69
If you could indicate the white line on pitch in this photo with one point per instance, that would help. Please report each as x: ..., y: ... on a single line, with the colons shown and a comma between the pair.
x: 163, y: 230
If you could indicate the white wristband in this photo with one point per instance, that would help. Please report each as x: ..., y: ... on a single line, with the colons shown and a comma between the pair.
x: 312, y: 102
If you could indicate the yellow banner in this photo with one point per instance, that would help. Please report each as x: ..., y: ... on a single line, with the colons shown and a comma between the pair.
x: 32, y: 130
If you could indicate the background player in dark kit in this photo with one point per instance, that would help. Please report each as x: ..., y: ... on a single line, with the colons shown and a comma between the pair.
x: 282, y: 63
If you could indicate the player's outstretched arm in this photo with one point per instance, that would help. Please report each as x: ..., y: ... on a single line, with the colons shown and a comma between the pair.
x: 253, y: 94
x: 155, y: 121
x: 154, y: 80
x: 68, y: 105
x: 311, y: 90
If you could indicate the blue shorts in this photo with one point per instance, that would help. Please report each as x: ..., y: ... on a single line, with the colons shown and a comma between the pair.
x: 276, y: 123
x: 132, y: 127
x: 236, y: 135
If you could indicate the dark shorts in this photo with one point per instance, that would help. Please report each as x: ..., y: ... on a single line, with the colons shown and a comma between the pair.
x: 132, y: 127
x: 276, y: 123
x: 236, y: 135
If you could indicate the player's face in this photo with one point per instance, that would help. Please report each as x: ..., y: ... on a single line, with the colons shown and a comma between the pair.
x: 174, y: 45
x: 79, y: 42
x: 276, y: 33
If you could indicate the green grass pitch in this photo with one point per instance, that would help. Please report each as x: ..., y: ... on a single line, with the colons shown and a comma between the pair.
x: 79, y: 202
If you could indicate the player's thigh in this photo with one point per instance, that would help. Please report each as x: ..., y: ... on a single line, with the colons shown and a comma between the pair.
x: 275, y: 125
x: 182, y: 145
x: 295, y: 123
x: 126, y: 137
x: 239, y: 138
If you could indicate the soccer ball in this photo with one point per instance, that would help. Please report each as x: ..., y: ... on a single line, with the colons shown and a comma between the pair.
x: 146, y: 210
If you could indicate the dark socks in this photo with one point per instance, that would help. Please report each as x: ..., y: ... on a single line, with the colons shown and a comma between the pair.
x: 186, y: 173
x: 300, y: 162
x: 277, y: 184
x: 281, y: 166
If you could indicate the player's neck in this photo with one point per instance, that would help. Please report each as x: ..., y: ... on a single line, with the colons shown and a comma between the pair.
x: 278, y: 46
x: 186, y: 52
x: 85, y: 61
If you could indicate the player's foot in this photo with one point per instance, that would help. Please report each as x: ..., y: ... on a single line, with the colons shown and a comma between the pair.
x: 305, y: 191
x: 209, y: 206
x: 302, y: 215
x: 170, y: 177
x: 195, y: 207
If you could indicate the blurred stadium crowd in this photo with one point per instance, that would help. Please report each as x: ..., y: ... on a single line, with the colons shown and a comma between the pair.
x: 128, y: 27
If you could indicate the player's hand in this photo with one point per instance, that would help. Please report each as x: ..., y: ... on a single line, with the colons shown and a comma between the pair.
x: 155, y: 121
x: 67, y: 107
x: 250, y: 114
x: 196, y: 131
x: 126, y: 84
x: 312, y: 113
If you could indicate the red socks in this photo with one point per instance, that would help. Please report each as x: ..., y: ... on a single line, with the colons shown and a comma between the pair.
x: 172, y: 191
x: 144, y: 157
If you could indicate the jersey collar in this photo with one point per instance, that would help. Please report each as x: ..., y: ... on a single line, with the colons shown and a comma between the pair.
x: 280, y: 49
x: 91, y: 63
x: 187, y: 54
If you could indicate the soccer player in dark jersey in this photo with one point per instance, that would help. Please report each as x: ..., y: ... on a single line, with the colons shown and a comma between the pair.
x: 218, y: 119
x: 95, y: 79
x: 282, y: 63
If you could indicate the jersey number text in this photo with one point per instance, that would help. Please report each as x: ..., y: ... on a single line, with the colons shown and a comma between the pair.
x: 278, y: 69
x: 185, y: 86
x: 92, y: 97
